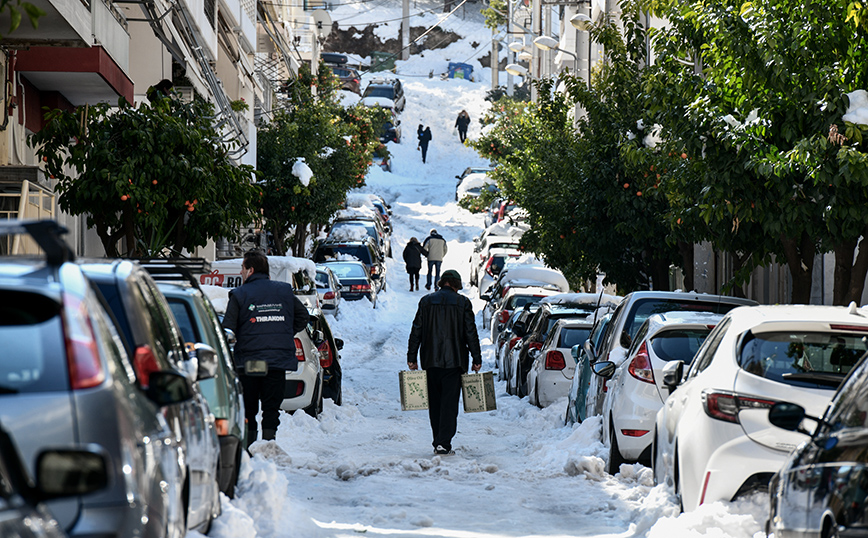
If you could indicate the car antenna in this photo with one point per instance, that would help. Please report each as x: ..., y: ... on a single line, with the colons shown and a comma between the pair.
x: 599, y: 300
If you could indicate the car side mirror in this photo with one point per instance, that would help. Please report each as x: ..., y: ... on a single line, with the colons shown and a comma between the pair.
x: 339, y: 343
x: 519, y: 328
x: 787, y: 416
x: 533, y: 352
x: 206, y: 356
x: 230, y: 336
x: 68, y: 473
x: 167, y: 388
x: 485, y: 297
x: 604, y: 369
x: 673, y: 373
x: 575, y: 351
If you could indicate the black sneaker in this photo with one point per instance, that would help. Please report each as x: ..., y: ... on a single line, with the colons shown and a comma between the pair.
x: 427, y: 286
x: 444, y: 451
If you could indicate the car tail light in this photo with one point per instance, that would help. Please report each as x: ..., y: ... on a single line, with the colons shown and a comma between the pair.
x: 329, y: 295
x: 145, y: 364
x: 640, y: 366
x: 857, y: 328
x: 360, y: 287
x: 534, y: 345
x: 634, y: 433
x: 374, y: 270
x: 724, y: 405
x: 555, y: 360
x: 222, y: 427
x: 488, y: 266
x: 514, y: 341
x: 82, y: 355
x: 326, y: 357
x: 299, y: 350
x: 504, y: 316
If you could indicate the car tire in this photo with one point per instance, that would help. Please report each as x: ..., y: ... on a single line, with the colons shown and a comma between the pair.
x: 615, y: 458
x: 236, y: 470
x: 830, y: 529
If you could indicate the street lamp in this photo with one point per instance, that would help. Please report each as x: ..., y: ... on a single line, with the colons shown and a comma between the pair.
x: 545, y: 42
x: 581, y: 22
x: 517, y: 70
x: 516, y: 46
x: 525, y: 56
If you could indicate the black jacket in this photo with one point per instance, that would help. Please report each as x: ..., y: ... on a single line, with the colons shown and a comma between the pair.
x: 445, y: 330
x: 424, y: 138
x: 265, y: 315
x: 462, y: 122
x: 413, y: 253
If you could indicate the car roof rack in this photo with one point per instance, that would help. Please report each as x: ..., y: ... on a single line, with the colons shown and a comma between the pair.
x: 46, y: 233
x: 176, y: 269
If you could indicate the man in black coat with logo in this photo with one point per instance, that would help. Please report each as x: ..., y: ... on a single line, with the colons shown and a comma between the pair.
x: 265, y: 315
x: 444, y: 334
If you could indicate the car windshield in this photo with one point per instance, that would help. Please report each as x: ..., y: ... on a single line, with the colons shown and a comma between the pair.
x: 573, y: 336
x: 31, y: 336
x: 644, y: 308
x: 348, y: 270
x: 379, y: 92
x: 678, y: 345
x: 518, y: 301
x: 804, y: 359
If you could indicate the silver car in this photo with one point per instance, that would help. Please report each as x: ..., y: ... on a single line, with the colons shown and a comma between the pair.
x: 328, y: 287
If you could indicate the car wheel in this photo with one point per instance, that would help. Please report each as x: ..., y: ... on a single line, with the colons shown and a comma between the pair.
x: 236, y: 469
x: 830, y: 529
x: 615, y: 458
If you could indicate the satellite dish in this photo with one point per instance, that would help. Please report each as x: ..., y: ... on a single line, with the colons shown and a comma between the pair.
x: 323, y: 22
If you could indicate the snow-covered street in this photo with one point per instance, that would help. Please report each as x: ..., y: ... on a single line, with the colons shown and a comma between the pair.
x: 367, y: 467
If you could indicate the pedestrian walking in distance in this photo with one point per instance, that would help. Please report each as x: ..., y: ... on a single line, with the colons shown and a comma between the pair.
x: 419, y: 131
x: 413, y: 253
x: 436, y: 248
x: 461, y: 124
x: 265, y: 315
x: 443, y: 335
x: 423, y: 142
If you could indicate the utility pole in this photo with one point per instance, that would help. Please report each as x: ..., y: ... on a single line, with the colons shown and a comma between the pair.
x: 495, y: 59
x: 510, y: 56
x: 405, y: 31
x: 535, y: 59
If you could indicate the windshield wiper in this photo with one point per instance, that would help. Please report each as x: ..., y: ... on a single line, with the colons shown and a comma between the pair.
x: 820, y: 378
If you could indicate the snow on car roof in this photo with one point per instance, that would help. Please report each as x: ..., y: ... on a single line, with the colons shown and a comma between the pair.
x: 583, y: 298
x: 355, y: 212
x: 476, y: 179
x: 505, y: 229
x: 656, y: 322
x: 218, y: 295
x: 349, y: 232
x: 538, y: 273
x: 358, y: 199
x: 277, y: 266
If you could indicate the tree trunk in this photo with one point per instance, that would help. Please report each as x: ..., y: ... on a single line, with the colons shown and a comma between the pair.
x: 279, y: 240
x: 687, y: 264
x: 130, y: 233
x: 299, y: 240
x: 109, y: 240
x: 800, y: 254
x: 849, y: 274
x: 659, y: 274
x: 737, y: 263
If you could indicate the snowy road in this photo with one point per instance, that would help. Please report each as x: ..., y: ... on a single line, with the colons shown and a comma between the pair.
x: 367, y: 467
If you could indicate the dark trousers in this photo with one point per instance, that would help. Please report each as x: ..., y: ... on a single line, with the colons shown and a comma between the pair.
x: 267, y: 389
x: 444, y: 390
x: 414, y: 275
x: 433, y: 267
x: 462, y: 135
x: 424, y: 151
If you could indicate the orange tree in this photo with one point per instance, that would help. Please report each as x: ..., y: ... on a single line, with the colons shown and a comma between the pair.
x: 336, y: 143
x: 157, y: 176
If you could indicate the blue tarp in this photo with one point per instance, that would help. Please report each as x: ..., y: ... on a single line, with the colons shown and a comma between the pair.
x: 460, y: 70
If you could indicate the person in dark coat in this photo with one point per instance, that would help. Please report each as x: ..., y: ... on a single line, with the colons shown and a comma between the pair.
x: 443, y: 335
x: 423, y: 142
x: 265, y: 316
x: 413, y: 253
x: 419, y: 131
x: 461, y: 123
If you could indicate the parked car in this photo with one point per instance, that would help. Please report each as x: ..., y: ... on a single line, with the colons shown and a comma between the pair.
x: 505, y: 340
x: 199, y: 324
x: 471, y: 170
x: 391, y: 129
x: 154, y: 340
x: 510, y: 351
x: 369, y: 219
x: 60, y: 473
x: 713, y: 439
x: 514, y: 297
x: 636, y: 390
x: 492, y: 266
x: 822, y: 488
x: 472, y: 185
x: 491, y: 212
x: 300, y: 273
x: 485, y: 245
x: 363, y: 250
x: 330, y: 358
x: 535, y: 331
x: 552, y: 368
x: 385, y: 93
x: 356, y: 281
x: 328, y: 286
x: 582, y: 375
x: 66, y: 379
x: 349, y: 78
x: 631, y: 314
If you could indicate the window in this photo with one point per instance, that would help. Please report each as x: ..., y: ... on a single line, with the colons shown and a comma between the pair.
x: 678, y: 344
x: 643, y: 308
x: 573, y: 336
x: 31, y: 336
x: 709, y: 348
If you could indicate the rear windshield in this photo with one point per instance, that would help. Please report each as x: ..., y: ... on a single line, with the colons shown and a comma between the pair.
x: 379, y: 92
x: 337, y: 252
x: 678, y: 345
x: 573, y: 336
x: 31, y: 337
x: 322, y: 280
x: 804, y: 359
x: 349, y: 270
x: 518, y: 301
x: 644, y: 308
x: 344, y: 231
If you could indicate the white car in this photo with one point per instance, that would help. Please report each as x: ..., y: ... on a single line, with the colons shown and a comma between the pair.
x: 483, y: 246
x: 328, y: 288
x: 304, y: 386
x: 514, y: 297
x: 713, y: 439
x: 473, y: 184
x: 493, y: 265
x: 553, y: 365
x: 636, y: 390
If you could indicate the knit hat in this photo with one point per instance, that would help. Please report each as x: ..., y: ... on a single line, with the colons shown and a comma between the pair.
x: 433, y: 231
x: 453, y: 276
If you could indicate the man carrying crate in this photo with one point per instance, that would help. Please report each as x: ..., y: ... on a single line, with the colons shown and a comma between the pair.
x: 444, y: 334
